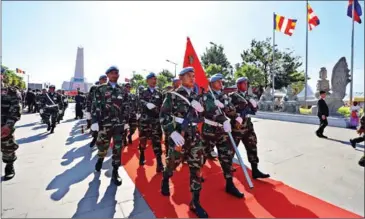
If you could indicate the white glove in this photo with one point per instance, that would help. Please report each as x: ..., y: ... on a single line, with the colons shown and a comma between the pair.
x: 239, y: 120
x: 197, y: 106
x: 227, y: 126
x: 126, y: 126
x: 41, y: 111
x: 95, y: 127
x: 150, y: 106
x: 138, y: 116
x: 253, y: 102
x: 177, y: 138
x: 88, y: 115
x: 60, y: 111
x: 219, y: 104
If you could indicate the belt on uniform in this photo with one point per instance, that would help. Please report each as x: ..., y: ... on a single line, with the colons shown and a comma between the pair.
x: 181, y: 120
x: 212, y: 123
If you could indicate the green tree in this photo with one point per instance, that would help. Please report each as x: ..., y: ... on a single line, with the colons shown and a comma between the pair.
x: 138, y: 80
x: 213, y: 69
x: 285, y: 65
x: 12, y: 79
x: 162, y: 81
x: 254, y: 74
x: 167, y: 74
x: 215, y: 55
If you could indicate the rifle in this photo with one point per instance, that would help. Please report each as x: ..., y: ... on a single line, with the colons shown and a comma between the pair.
x: 248, y: 179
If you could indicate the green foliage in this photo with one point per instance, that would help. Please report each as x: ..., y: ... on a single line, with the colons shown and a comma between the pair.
x: 254, y: 74
x: 167, y: 74
x: 345, y: 111
x: 12, y: 79
x: 215, y: 55
x: 285, y: 65
x: 138, y: 80
x: 162, y: 81
x: 213, y: 69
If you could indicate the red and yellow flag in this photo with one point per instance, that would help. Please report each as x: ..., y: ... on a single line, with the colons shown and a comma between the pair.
x: 284, y: 25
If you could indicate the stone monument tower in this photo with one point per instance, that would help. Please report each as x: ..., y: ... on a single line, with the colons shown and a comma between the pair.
x: 79, y: 80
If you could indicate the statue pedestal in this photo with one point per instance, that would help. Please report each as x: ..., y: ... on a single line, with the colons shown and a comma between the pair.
x: 291, y: 106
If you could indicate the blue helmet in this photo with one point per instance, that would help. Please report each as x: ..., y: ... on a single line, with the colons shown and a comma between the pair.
x: 112, y: 68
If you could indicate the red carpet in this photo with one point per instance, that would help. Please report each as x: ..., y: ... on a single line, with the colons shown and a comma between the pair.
x: 269, y: 198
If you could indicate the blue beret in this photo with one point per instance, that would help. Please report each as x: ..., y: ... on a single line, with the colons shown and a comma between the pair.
x: 102, y: 77
x: 241, y: 79
x: 215, y: 78
x: 186, y: 70
x: 150, y: 75
x: 112, y: 68
x: 175, y: 79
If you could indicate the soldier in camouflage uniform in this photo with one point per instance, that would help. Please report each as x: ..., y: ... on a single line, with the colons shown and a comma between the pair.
x: 243, y: 129
x: 133, y: 114
x: 180, y: 114
x: 109, y: 119
x: 215, y: 129
x: 360, y: 131
x: 10, y: 114
x: 89, y: 99
x: 150, y: 101
x: 52, y: 106
x: 65, y: 103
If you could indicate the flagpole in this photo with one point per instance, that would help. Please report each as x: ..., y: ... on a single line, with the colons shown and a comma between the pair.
x: 352, y: 51
x: 306, y: 57
x: 273, y: 60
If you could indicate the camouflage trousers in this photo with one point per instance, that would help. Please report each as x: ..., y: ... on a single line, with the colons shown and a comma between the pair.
x: 50, y: 116
x: 132, y: 125
x: 150, y: 129
x: 193, y: 150
x: 8, y: 147
x: 249, y: 140
x: 105, y: 134
x: 212, y: 136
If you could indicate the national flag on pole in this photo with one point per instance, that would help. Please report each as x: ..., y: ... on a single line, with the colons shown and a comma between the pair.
x: 284, y: 25
x: 19, y: 71
x: 191, y: 59
x: 313, y: 20
x: 357, y: 10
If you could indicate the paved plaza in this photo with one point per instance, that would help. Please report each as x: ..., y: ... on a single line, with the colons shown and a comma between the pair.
x: 55, y: 173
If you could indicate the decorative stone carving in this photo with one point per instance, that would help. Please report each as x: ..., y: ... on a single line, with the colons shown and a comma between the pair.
x: 266, y: 102
x: 290, y: 101
x: 339, y: 80
x: 323, y: 83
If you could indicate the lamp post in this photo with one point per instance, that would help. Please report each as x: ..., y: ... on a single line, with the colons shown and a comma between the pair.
x: 173, y: 64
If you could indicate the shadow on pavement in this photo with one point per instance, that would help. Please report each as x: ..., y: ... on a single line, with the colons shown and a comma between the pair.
x: 76, y: 174
x: 88, y: 206
x: 33, y: 138
x: 76, y: 135
x: 40, y: 127
x: 27, y: 125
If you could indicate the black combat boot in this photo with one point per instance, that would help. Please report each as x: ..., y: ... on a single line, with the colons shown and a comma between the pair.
x: 52, y: 129
x: 92, y: 143
x: 362, y: 161
x: 115, y: 176
x: 196, y: 207
x: 256, y: 173
x: 159, y: 167
x: 48, y: 126
x: 9, y: 171
x: 141, y: 157
x: 232, y: 189
x: 165, y: 185
x: 99, y: 164
x: 130, y: 139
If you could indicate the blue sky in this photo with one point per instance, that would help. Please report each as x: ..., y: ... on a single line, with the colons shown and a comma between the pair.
x: 42, y: 37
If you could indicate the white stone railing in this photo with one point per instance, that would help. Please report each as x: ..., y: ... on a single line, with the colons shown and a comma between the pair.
x: 308, y: 119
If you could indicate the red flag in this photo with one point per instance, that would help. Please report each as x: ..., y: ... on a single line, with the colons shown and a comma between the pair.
x: 191, y: 59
